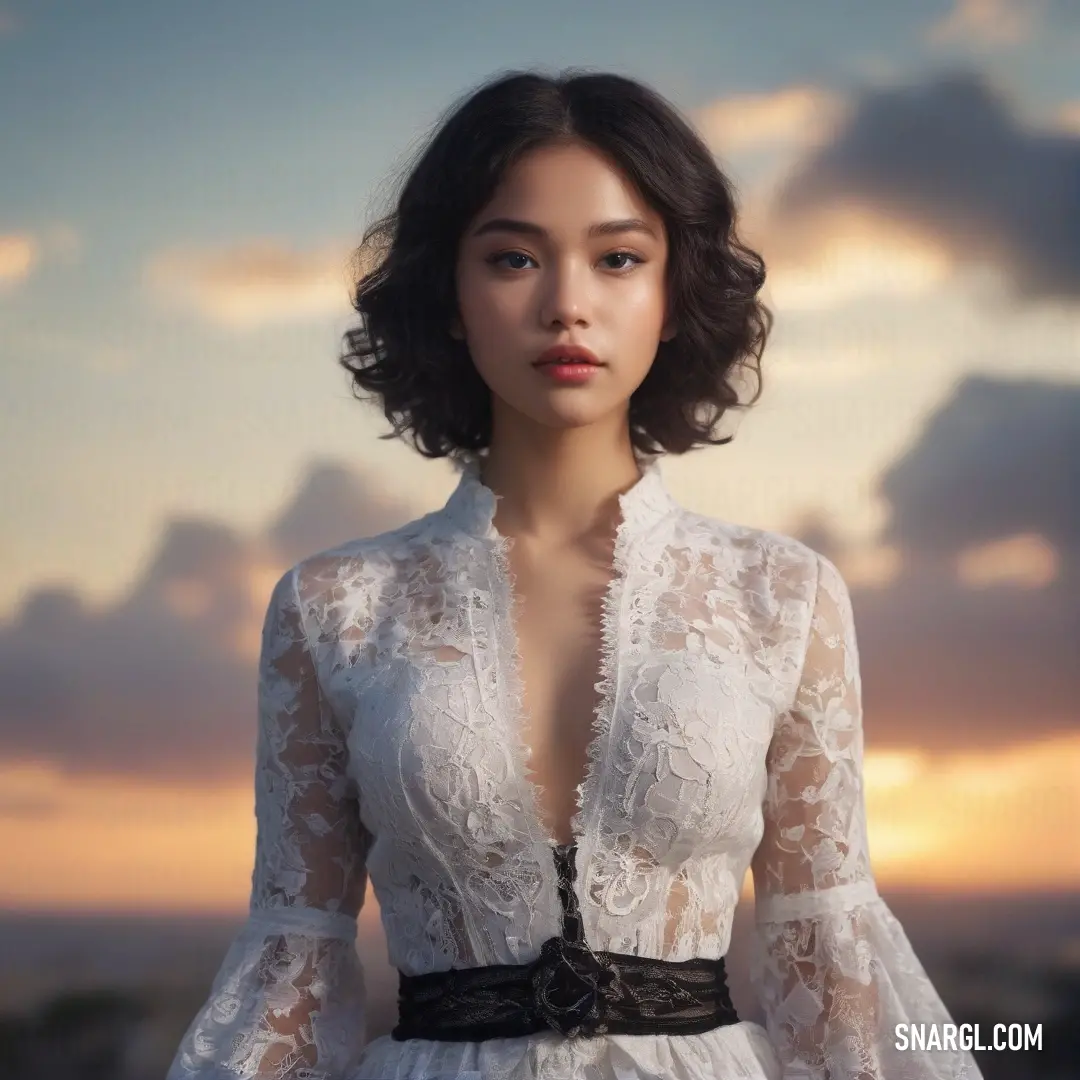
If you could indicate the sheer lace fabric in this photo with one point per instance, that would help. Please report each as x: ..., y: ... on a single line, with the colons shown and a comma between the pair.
x: 289, y: 997
x: 833, y: 966
x: 728, y: 738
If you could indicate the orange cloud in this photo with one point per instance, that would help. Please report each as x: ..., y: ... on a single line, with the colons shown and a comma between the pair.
x: 924, y: 163
x: 1026, y: 559
x: 256, y: 284
x: 849, y: 251
x: 19, y: 252
x: 793, y: 116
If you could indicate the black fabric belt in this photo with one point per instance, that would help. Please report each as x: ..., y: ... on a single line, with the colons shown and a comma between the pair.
x: 569, y: 988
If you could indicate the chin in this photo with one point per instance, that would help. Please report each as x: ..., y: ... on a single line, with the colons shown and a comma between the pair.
x: 567, y: 414
x: 570, y: 407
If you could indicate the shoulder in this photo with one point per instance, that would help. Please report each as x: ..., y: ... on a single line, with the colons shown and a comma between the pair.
x: 778, y: 577
x: 774, y: 553
x: 349, y: 574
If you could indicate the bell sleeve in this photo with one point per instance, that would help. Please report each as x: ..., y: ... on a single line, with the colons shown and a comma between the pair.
x: 289, y: 998
x: 832, y: 966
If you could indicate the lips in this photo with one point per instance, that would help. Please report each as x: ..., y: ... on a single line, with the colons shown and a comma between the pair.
x: 567, y: 354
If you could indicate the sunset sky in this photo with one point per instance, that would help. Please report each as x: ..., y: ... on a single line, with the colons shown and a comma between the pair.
x: 181, y: 189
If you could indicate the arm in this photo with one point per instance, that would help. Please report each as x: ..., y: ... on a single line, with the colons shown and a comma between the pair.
x: 289, y: 997
x: 833, y: 967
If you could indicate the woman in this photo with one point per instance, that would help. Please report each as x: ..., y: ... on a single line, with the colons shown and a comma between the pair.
x: 557, y: 720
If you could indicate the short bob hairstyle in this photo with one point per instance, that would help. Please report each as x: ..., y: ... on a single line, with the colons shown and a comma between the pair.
x: 403, y: 353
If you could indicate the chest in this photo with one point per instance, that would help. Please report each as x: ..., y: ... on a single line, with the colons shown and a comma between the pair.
x: 557, y: 618
x: 475, y: 710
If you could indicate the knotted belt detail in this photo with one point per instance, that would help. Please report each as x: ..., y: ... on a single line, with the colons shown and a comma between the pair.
x: 569, y: 988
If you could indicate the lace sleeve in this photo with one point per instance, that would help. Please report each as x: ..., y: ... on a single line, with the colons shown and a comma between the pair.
x: 288, y: 1000
x: 832, y: 966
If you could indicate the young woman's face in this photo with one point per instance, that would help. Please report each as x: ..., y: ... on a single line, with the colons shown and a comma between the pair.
x: 521, y: 292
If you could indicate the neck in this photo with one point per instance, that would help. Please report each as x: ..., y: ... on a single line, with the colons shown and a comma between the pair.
x: 558, y: 486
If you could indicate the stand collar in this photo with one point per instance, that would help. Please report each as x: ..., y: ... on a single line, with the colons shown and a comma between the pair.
x: 471, y: 507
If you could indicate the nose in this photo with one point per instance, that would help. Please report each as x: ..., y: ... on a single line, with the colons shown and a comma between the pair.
x: 565, y: 294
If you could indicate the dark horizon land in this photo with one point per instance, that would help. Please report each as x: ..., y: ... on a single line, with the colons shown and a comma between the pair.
x: 137, y: 980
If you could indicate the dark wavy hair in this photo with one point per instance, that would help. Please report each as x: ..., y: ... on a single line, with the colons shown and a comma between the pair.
x: 403, y: 353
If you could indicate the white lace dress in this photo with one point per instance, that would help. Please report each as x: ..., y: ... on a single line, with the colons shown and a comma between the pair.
x: 729, y: 735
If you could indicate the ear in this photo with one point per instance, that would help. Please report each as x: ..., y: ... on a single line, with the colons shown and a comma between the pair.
x: 456, y: 331
x: 668, y: 331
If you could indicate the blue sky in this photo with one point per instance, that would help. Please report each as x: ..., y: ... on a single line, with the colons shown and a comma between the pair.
x: 141, y: 128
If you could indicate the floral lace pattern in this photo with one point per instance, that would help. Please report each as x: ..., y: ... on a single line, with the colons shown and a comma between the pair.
x: 570, y: 988
x: 728, y: 737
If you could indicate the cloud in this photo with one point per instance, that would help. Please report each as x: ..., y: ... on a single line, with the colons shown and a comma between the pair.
x: 22, y: 253
x: 1068, y: 117
x: 333, y: 502
x: 792, y: 116
x: 260, y: 283
x: 19, y: 253
x: 160, y: 685
x: 997, y: 459
x: 849, y: 252
x: 988, y: 22
x: 966, y: 635
x: 978, y: 625
x: 948, y: 165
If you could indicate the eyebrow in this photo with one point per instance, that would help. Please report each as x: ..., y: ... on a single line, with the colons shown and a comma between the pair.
x: 602, y: 228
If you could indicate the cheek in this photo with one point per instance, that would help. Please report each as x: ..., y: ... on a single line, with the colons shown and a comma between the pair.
x: 642, y: 301
x: 489, y: 311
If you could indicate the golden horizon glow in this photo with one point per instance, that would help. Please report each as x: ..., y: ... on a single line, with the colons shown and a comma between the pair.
x: 956, y: 823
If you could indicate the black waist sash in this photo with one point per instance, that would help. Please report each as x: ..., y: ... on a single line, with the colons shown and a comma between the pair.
x: 569, y: 988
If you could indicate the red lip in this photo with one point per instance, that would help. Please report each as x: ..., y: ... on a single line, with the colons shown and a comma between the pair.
x: 576, y: 354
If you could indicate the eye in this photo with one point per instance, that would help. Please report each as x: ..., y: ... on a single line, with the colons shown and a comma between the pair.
x: 624, y: 255
x: 495, y: 260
